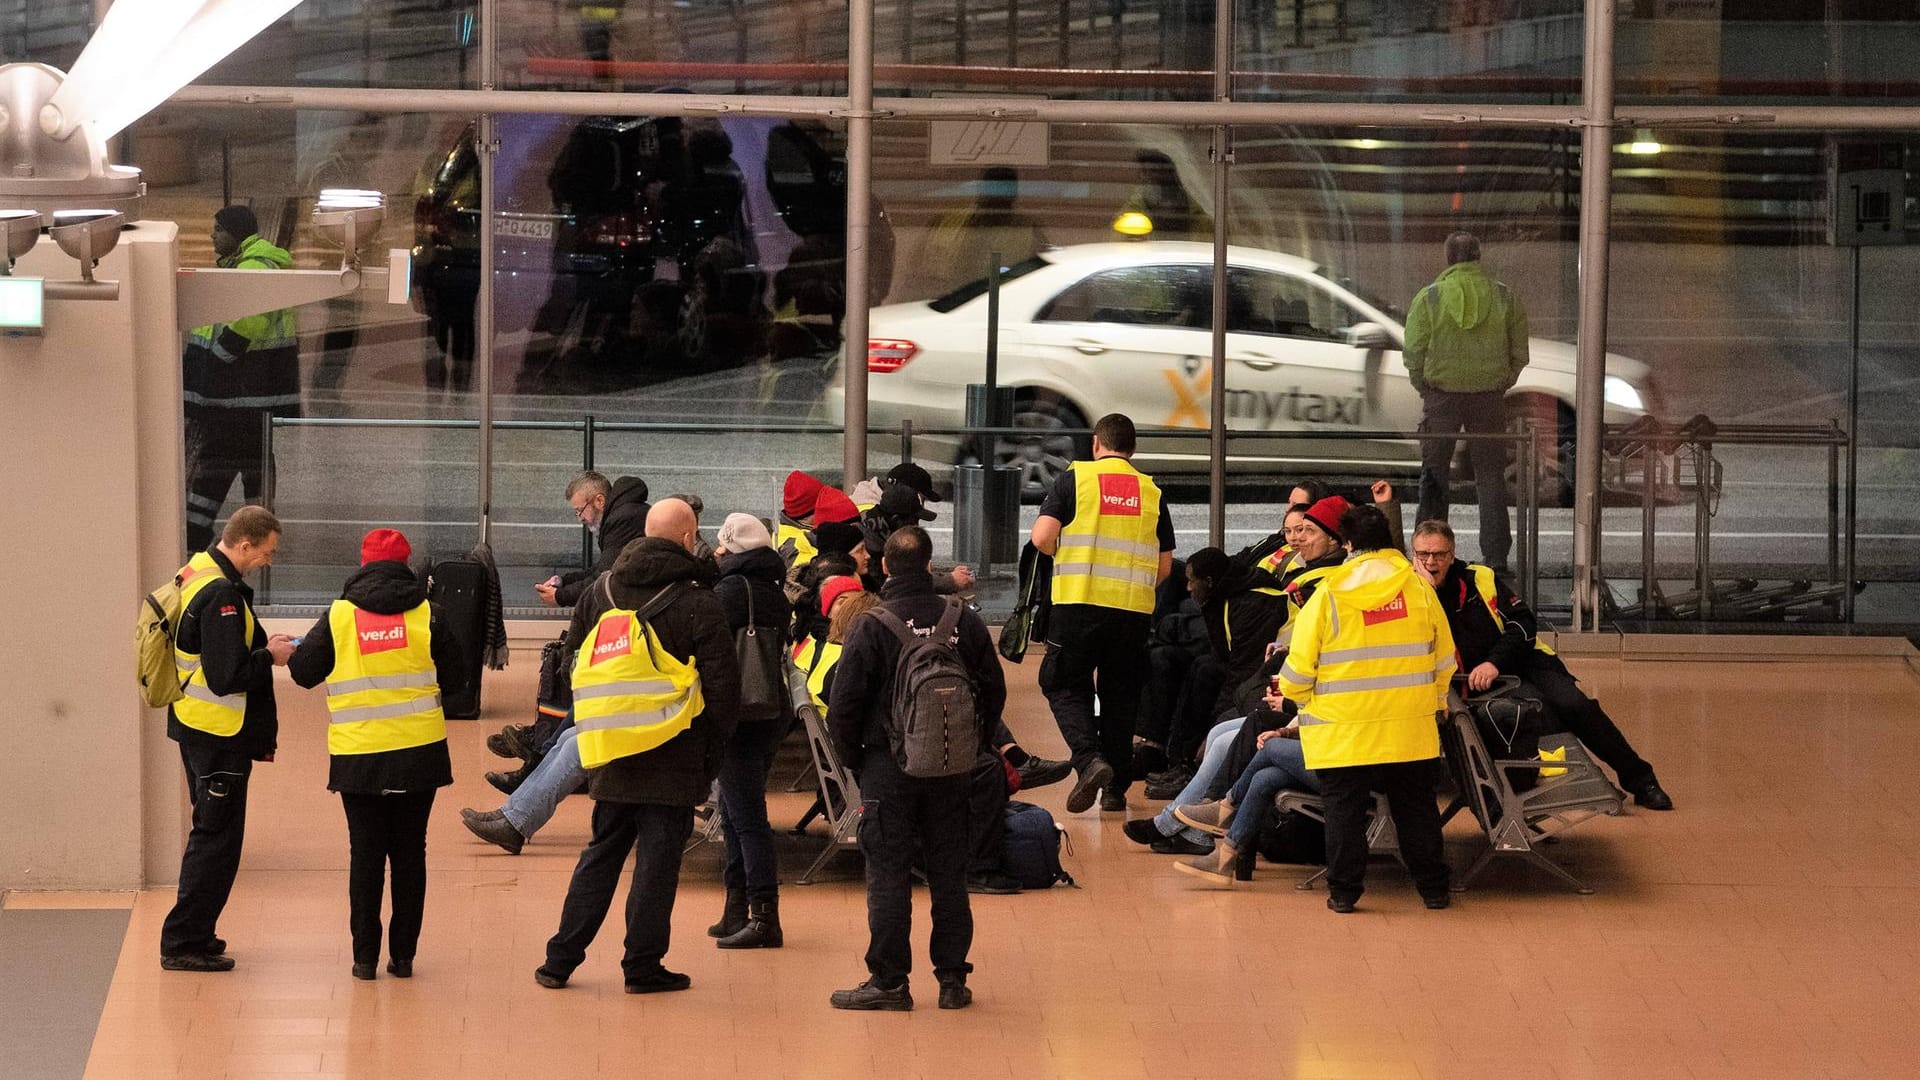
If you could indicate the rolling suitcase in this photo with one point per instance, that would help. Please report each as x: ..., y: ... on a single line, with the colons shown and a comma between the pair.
x: 459, y: 586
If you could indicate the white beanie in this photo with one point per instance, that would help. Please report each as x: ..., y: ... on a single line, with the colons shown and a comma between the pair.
x: 743, y: 532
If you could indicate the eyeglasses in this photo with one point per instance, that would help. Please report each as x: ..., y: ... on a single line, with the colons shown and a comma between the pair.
x: 1430, y: 556
x: 582, y: 511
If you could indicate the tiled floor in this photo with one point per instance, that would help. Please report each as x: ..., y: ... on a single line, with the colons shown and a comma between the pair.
x: 1766, y: 929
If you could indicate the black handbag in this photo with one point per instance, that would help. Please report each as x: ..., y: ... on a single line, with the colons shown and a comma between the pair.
x: 763, y: 677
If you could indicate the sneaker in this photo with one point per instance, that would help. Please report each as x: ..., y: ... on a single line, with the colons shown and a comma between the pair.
x: 504, y: 743
x: 658, y: 981
x: 1179, y: 844
x: 507, y: 782
x: 196, y: 962
x: 993, y: 883
x: 550, y: 979
x: 1168, y: 785
x: 366, y: 972
x: 496, y: 831
x: 1038, y: 772
x: 1209, y: 817
x: 1215, y: 866
x: 1097, y: 775
x: 868, y: 997
x: 1113, y: 800
x: 1142, y: 831
x: 955, y: 995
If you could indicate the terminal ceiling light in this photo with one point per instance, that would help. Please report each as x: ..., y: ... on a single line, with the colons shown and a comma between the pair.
x: 22, y: 228
x: 87, y: 235
x: 349, y: 218
x: 1643, y: 144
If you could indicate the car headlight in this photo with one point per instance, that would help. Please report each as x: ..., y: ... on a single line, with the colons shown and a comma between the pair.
x: 1621, y: 394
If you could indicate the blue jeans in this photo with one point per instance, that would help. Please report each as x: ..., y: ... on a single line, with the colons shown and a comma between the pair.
x: 743, y: 809
x: 1276, y: 766
x: 557, y: 776
x: 1218, y: 742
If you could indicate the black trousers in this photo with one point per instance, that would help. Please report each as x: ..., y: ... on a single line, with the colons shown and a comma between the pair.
x: 1547, y: 679
x: 383, y: 830
x: 1096, y: 653
x: 1410, y: 788
x: 221, y: 444
x: 1196, y: 714
x: 1447, y: 413
x: 217, y: 785
x: 656, y: 836
x: 1167, y: 667
x: 987, y: 816
x: 901, y: 817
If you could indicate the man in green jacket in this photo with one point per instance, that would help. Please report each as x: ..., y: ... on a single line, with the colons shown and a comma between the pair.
x: 236, y: 375
x: 1466, y: 344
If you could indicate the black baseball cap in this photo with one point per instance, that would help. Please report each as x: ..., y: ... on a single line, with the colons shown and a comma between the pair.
x: 907, y: 474
x: 902, y: 503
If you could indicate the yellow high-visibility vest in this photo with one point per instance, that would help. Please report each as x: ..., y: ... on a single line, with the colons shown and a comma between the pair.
x: 1489, y: 595
x: 202, y: 709
x: 816, y: 658
x: 629, y: 694
x: 383, y: 693
x: 1275, y: 564
x: 803, y: 549
x: 1109, y: 554
x: 1370, y: 663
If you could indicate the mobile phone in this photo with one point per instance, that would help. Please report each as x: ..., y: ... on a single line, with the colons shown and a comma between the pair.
x: 298, y: 640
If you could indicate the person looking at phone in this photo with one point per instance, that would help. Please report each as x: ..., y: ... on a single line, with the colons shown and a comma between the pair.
x: 615, y: 513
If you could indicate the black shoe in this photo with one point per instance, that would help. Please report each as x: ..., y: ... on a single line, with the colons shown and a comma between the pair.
x: 1179, y: 844
x: 1114, y: 799
x: 1142, y: 831
x: 762, y: 930
x: 215, y: 947
x: 993, y: 884
x: 510, y: 742
x: 1339, y: 906
x: 508, y: 782
x: 1097, y: 775
x: 1438, y: 903
x: 658, y: 981
x: 870, y: 998
x: 549, y: 979
x: 1148, y: 759
x: 1651, y: 795
x: 400, y: 969
x: 366, y: 972
x: 470, y: 814
x: 733, y: 916
x: 496, y: 831
x: 196, y: 962
x: 1169, y: 785
x: 1038, y: 772
x: 955, y: 995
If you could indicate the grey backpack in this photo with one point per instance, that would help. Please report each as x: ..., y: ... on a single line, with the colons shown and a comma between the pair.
x: 933, y: 726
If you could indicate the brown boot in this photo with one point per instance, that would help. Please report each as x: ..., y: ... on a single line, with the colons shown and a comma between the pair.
x: 1216, y: 868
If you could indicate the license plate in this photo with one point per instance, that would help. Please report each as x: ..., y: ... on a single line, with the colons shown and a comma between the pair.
x: 528, y: 228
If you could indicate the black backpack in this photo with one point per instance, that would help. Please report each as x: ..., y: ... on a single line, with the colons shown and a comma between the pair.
x: 933, y: 725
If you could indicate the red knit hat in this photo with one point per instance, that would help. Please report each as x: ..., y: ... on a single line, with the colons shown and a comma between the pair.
x: 797, y: 497
x: 834, y: 588
x: 1326, y: 514
x: 383, y: 544
x: 833, y: 505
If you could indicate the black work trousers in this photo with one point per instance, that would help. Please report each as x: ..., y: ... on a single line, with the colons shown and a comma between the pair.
x: 221, y: 443
x: 1167, y: 667
x: 383, y: 830
x: 1477, y: 413
x: 1411, y: 789
x: 1096, y: 653
x: 217, y: 786
x: 1548, y: 680
x: 901, y: 817
x: 987, y: 815
x: 656, y: 836
x: 1196, y: 714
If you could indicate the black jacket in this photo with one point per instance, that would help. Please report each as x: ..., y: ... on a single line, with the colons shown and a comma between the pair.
x: 215, y: 627
x: 1475, y: 637
x: 760, y: 572
x: 384, y: 588
x: 623, y: 521
x: 808, y: 621
x: 1241, y: 622
x: 862, y: 693
x: 693, y: 627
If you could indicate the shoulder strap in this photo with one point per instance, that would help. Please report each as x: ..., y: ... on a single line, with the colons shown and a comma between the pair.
x: 893, y: 622
x: 606, y: 586
x: 658, y: 602
x: 747, y: 586
x: 949, y: 623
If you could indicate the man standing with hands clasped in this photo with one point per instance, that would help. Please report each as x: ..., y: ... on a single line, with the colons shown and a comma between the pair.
x: 224, y: 722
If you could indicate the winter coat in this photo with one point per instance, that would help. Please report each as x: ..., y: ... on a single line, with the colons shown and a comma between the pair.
x: 214, y: 627
x: 861, y: 697
x: 693, y: 627
x: 386, y: 587
x: 1466, y: 333
x: 623, y: 521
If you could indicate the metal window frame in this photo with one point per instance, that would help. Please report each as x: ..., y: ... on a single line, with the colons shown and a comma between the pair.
x: 1595, y: 117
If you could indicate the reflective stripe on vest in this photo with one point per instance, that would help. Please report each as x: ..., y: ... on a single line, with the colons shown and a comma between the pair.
x: 1483, y: 584
x: 817, y: 677
x: 1109, y: 554
x: 201, y: 709
x: 383, y: 693
x: 803, y: 549
x: 629, y: 694
x: 1274, y: 564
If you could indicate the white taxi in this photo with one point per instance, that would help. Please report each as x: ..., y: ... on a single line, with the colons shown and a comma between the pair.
x: 1126, y: 327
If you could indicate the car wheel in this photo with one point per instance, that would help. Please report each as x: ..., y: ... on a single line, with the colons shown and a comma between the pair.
x: 1047, y: 453
x: 1553, y: 462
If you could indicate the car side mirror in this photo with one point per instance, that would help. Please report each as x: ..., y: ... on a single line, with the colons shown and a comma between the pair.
x: 1369, y: 336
